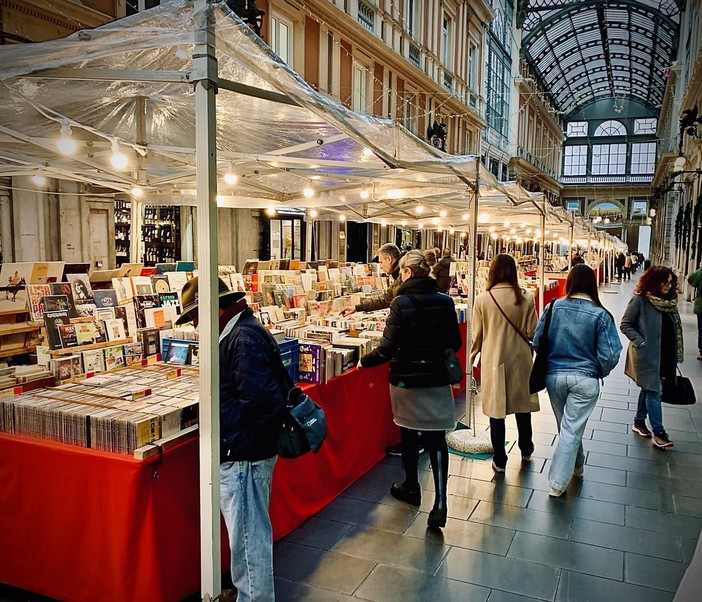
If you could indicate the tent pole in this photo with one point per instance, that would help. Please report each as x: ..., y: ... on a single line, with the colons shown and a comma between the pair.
x: 204, y: 76
x: 542, y: 271
x: 473, y: 250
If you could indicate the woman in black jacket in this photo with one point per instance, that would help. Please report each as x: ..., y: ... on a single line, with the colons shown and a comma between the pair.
x: 421, y: 326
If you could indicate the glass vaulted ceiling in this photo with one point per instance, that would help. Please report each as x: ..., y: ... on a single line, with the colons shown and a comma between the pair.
x: 590, y: 50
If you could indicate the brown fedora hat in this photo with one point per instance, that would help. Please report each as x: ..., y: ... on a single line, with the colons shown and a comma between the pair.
x: 190, y: 298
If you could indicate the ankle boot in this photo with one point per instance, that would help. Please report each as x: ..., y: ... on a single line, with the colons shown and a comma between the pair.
x: 439, y: 466
x: 412, y: 494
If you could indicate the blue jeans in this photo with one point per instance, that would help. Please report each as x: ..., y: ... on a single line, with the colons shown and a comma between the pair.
x: 573, y: 397
x: 650, y: 405
x: 244, y: 494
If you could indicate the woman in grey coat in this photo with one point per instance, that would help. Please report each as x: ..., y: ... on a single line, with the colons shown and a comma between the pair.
x: 652, y: 324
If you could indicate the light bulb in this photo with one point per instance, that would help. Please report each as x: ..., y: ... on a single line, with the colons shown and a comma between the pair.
x: 403, y: 224
x: 420, y: 225
x: 313, y: 213
x: 506, y: 224
x: 451, y: 230
x: 419, y: 209
x: 513, y: 231
x: 367, y: 152
x: 383, y: 223
x: 606, y: 221
x: 39, y: 179
x: 522, y: 225
x: 308, y: 192
x: 220, y: 199
x: 118, y: 159
x: 493, y: 236
x: 65, y: 144
x: 436, y: 221
x: 528, y: 230
x: 443, y: 213
x: 364, y: 194
x: 465, y: 217
x: 230, y: 177
x: 492, y: 229
x: 342, y: 218
x: 271, y: 211
x: 483, y: 218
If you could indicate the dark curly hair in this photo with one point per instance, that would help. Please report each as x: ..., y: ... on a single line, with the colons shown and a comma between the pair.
x: 654, y: 278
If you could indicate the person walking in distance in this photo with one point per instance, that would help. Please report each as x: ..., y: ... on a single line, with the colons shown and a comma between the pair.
x: 250, y: 414
x: 695, y: 279
x: 442, y: 270
x: 652, y: 324
x: 583, y: 347
x: 420, y: 328
x: 504, y: 321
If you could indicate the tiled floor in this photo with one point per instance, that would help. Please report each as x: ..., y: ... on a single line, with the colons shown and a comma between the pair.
x: 626, y: 531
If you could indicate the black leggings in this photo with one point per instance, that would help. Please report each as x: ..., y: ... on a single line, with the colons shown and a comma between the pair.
x: 497, y: 437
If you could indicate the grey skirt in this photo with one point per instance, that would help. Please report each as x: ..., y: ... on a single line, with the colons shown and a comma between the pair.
x: 423, y: 409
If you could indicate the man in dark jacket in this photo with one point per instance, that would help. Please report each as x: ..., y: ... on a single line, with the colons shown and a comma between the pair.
x: 389, y: 257
x: 250, y: 412
x: 441, y: 271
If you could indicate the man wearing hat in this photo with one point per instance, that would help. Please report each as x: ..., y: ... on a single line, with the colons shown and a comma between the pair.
x: 250, y: 411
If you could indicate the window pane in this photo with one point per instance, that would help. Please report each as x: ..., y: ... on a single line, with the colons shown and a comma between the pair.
x: 608, y: 159
x: 575, y: 163
x: 645, y: 126
x: 577, y: 129
x: 643, y: 158
x: 611, y: 128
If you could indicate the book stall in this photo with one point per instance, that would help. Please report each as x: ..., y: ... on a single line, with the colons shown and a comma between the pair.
x: 106, y: 461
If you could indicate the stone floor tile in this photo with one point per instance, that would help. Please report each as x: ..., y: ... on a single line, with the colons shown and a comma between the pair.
x: 291, y: 590
x: 653, y: 572
x: 621, y: 495
x: 490, y: 492
x: 577, y: 587
x: 507, y: 574
x: 605, y: 512
x: 522, y: 519
x: 360, y: 512
x: 319, y: 533
x: 663, y: 522
x: 580, y: 557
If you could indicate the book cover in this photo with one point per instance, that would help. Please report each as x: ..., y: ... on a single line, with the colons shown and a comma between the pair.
x: 114, y: 357
x: 310, y: 363
x: 35, y: 297
x: 105, y: 298
x: 176, y: 280
x: 82, y: 291
x: 131, y: 319
x: 93, y: 360
x: 178, y: 354
x: 56, y: 303
x: 141, y: 285
x: 115, y: 329
x: 142, y: 302
x: 132, y: 354
x: 62, y: 368
x: 148, y: 337
x: 123, y: 289
x: 154, y: 317
x: 194, y: 359
x: 159, y: 284
x: 52, y: 321
x: 121, y: 313
x: 64, y: 288
x: 86, y: 333
x: 68, y: 336
x: 104, y: 313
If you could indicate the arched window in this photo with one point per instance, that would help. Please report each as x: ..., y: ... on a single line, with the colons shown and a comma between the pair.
x: 611, y: 128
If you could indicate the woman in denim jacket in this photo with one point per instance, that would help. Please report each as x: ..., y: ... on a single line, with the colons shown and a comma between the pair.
x: 652, y: 323
x: 583, y: 347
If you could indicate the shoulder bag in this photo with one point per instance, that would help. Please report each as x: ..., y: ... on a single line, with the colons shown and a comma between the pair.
x: 537, y: 380
x: 678, y: 391
x: 502, y: 311
x: 304, y: 423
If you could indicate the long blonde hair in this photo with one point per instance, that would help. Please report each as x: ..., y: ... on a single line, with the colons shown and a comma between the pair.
x: 414, y: 260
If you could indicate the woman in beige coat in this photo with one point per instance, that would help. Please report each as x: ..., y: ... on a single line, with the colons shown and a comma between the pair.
x: 504, y: 321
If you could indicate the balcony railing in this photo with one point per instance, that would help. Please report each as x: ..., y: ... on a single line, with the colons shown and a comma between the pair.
x: 366, y: 15
x: 624, y: 179
x: 414, y: 55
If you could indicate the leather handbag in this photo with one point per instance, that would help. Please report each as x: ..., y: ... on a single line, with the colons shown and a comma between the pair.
x: 537, y: 379
x: 678, y: 391
x: 304, y: 425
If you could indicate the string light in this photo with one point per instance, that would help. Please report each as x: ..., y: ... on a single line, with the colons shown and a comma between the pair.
x: 436, y: 221
x: 271, y: 211
x: 308, y: 192
x: 230, y: 177
x: 367, y: 152
x: 137, y: 192
x: 313, y: 213
x: 465, y: 217
x: 483, y: 218
x: 443, y: 213
x: 364, y: 194
x: 39, y: 179
x: 342, y: 218
x: 119, y: 160
x: 65, y: 144
x: 419, y: 209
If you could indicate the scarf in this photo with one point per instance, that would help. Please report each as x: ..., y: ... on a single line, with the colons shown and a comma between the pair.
x: 670, y: 306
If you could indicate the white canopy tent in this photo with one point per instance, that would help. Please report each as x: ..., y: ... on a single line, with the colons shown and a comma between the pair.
x: 170, y: 100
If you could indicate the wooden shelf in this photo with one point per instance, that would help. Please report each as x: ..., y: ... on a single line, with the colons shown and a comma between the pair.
x: 79, y: 348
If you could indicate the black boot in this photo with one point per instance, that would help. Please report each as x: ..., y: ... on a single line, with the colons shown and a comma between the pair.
x: 439, y: 467
x: 409, y: 491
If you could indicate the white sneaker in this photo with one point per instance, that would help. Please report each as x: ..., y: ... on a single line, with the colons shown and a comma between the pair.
x: 496, y: 468
x: 553, y: 492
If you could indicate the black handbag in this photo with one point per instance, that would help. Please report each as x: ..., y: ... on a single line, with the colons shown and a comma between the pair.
x: 678, y: 391
x: 453, y: 367
x: 304, y: 426
x: 537, y: 379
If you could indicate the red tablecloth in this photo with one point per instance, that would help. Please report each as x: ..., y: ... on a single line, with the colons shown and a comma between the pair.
x: 553, y: 293
x: 83, y: 525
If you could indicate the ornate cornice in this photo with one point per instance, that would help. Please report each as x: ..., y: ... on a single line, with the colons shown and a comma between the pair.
x: 61, y: 13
